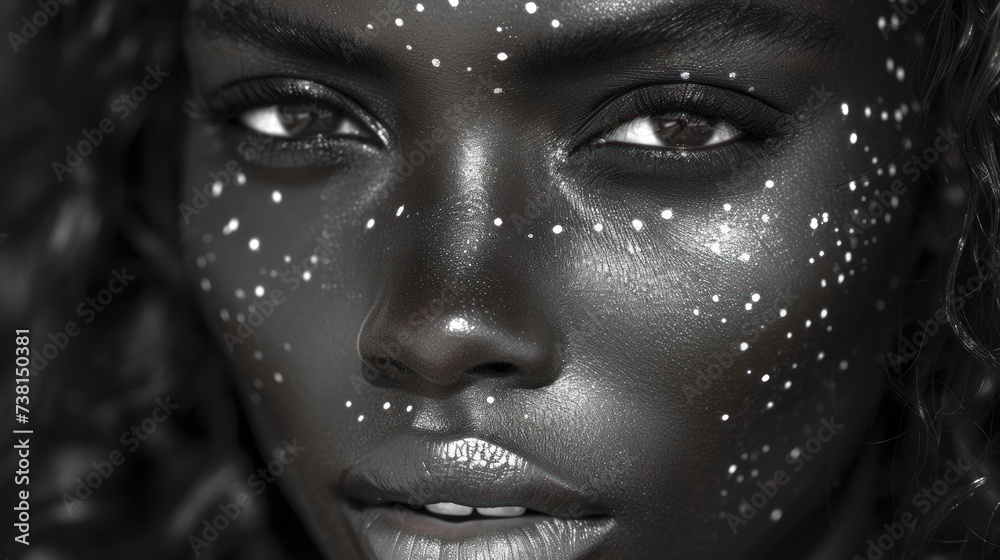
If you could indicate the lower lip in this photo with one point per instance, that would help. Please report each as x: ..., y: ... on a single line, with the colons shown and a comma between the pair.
x: 400, y: 533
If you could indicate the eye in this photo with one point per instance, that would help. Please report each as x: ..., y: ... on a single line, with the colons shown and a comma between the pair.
x: 675, y: 131
x: 302, y: 120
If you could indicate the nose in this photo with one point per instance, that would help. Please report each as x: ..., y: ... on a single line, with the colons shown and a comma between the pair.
x: 457, y: 305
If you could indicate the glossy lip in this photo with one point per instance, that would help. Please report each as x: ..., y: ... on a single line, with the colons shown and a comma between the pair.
x: 469, y: 471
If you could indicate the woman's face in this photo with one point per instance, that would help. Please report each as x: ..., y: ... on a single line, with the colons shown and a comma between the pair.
x: 599, y: 260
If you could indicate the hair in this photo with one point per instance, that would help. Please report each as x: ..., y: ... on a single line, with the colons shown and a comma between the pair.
x: 68, y: 234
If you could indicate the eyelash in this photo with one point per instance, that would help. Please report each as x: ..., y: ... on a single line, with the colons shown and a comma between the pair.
x: 229, y: 103
x: 756, y: 121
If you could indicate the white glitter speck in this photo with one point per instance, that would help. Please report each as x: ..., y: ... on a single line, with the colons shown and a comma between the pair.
x: 557, y: 229
x: 490, y: 400
x: 854, y: 138
x: 254, y: 244
x: 501, y: 56
x: 498, y: 222
x: 361, y: 418
x: 399, y: 211
x: 598, y: 227
x: 844, y: 109
x: 348, y: 404
x: 371, y: 223
x: 435, y: 62
x: 637, y: 224
x: 276, y: 197
x: 685, y: 75
x: 732, y: 75
x: 454, y: 3
x: 241, y: 179
x: 715, y: 248
x: 755, y: 297
x: 732, y: 469
x: 727, y: 207
x: 531, y: 7
x: 307, y: 276
x: 409, y: 408
x: 278, y: 377
x: 217, y: 189
x: 765, y: 378
x: 233, y: 225
x: 769, y: 184
x: 259, y: 291
x: 206, y: 285
x: 386, y: 406
x: 420, y: 7
x: 399, y: 22
x: 725, y: 417
x: 555, y: 23
x: 744, y: 346
x: 667, y: 214
x: 776, y: 514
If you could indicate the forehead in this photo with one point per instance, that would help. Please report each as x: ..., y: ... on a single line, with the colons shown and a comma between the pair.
x: 467, y: 27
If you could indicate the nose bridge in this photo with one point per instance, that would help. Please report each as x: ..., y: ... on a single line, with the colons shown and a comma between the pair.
x: 454, y: 303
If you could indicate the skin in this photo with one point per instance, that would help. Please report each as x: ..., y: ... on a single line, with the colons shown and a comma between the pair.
x: 613, y: 358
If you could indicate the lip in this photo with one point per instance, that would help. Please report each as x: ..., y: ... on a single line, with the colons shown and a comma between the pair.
x: 566, y: 523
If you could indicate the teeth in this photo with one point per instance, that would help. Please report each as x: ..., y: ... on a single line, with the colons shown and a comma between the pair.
x: 448, y: 508
x: 501, y: 511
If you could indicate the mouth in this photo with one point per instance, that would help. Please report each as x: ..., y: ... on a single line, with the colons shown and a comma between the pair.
x: 467, y: 499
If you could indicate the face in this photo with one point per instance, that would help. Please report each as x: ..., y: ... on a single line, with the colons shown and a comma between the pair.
x: 605, y: 266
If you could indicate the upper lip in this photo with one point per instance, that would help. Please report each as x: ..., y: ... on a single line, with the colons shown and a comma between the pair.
x: 418, y: 470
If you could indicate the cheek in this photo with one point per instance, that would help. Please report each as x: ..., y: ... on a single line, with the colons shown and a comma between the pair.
x: 267, y: 258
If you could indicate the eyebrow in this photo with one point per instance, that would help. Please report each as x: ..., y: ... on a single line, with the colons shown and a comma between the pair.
x: 277, y: 31
x: 681, y: 28
x: 686, y: 28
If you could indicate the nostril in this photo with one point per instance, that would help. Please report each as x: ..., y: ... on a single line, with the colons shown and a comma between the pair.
x: 493, y: 368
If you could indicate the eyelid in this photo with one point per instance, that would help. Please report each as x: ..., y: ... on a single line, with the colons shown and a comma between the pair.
x: 752, y: 116
x: 229, y: 101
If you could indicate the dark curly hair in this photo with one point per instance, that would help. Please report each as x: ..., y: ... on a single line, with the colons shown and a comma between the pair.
x: 68, y: 231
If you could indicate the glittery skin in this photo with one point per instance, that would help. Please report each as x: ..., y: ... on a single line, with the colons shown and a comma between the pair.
x: 665, y: 328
